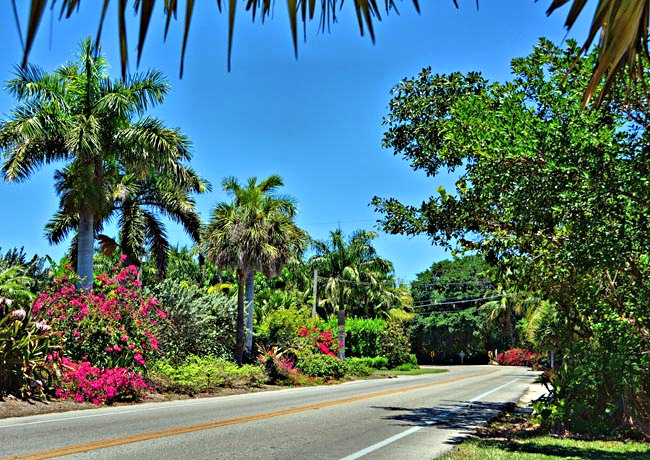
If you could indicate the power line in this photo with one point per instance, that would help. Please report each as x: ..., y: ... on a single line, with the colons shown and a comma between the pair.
x: 451, y: 283
x: 453, y: 302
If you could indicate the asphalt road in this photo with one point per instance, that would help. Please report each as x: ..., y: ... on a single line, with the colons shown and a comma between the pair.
x: 401, y: 418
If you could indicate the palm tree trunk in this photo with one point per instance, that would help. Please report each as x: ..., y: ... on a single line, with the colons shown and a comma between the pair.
x: 250, y: 307
x: 341, y: 327
x: 85, y: 250
x: 239, y: 344
x: 510, y: 328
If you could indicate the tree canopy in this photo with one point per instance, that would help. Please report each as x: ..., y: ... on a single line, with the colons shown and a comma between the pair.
x: 555, y: 195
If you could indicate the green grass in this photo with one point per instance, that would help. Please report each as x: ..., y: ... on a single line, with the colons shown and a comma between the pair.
x: 514, y: 437
x: 546, y: 448
x: 420, y: 371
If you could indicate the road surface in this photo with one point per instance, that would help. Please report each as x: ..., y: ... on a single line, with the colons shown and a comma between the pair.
x: 401, y: 418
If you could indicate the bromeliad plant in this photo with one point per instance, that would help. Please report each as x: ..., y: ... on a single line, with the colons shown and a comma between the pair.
x: 112, y: 326
x: 28, y: 351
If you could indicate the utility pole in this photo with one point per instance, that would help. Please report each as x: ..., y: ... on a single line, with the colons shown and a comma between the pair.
x: 313, y: 309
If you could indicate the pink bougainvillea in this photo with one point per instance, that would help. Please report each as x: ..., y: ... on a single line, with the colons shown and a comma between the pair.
x: 81, y: 381
x: 112, y: 326
x: 519, y: 357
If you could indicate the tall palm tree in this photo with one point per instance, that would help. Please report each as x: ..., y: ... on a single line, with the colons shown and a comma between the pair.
x: 80, y: 115
x: 253, y: 232
x: 355, y: 276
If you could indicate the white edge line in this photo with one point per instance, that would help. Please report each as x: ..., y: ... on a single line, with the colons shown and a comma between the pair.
x: 424, y: 424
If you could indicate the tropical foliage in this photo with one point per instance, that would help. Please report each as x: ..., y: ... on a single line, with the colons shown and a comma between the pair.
x: 622, y: 28
x: 353, y: 276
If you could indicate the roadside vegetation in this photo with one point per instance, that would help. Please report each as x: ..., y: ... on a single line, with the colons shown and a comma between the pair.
x: 548, y: 224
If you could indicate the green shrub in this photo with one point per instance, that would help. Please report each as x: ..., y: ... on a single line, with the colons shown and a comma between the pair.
x: 281, y: 327
x: 320, y: 365
x: 406, y: 367
x: 197, y: 375
x: 357, y: 367
x: 363, y: 336
x: 395, y: 345
x: 604, y: 385
x: 378, y: 362
x: 200, y: 323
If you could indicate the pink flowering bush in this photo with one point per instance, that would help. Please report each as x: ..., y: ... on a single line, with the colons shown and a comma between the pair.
x: 81, y: 381
x: 519, y: 357
x: 112, y: 326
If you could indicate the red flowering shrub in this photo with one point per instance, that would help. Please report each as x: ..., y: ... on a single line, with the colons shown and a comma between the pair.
x: 82, y: 381
x: 112, y: 326
x: 519, y: 357
x: 319, y: 340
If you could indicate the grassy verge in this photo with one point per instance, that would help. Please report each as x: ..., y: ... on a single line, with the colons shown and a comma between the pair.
x: 514, y: 437
x: 420, y: 371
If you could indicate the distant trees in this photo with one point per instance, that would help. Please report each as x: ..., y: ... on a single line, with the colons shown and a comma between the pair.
x: 356, y: 278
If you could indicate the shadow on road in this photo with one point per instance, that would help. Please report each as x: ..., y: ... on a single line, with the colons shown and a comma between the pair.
x: 447, y: 416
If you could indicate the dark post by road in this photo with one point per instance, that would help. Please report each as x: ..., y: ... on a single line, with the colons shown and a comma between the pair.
x: 341, y: 333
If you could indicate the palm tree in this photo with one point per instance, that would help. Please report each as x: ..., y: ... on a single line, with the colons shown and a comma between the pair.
x: 355, y: 276
x: 254, y: 232
x: 80, y: 115
x: 138, y: 205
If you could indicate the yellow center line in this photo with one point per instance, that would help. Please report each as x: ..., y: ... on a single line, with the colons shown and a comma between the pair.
x: 104, y: 443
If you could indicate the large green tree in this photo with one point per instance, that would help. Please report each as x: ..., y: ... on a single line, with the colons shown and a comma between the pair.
x: 80, y: 115
x: 554, y: 194
x: 254, y: 232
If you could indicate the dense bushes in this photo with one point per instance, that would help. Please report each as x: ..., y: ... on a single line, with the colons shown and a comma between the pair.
x: 603, y: 385
x: 395, y: 345
x: 81, y: 381
x: 280, y: 327
x: 200, y: 323
x: 321, y: 365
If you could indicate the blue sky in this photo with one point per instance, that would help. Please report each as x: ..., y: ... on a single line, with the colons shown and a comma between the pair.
x: 315, y: 121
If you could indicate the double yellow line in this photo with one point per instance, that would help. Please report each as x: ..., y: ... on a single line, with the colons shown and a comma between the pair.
x: 104, y: 443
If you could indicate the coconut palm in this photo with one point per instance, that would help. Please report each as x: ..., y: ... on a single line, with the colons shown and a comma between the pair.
x: 253, y: 232
x: 80, y: 115
x: 138, y: 205
x: 355, y: 276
